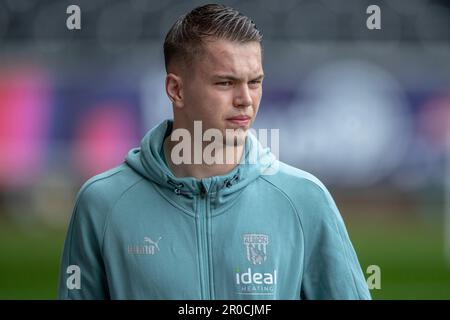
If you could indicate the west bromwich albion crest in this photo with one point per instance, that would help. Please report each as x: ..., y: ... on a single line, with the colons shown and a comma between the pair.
x: 256, y: 245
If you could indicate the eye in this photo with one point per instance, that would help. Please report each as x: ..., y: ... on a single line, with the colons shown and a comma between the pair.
x: 224, y: 83
x: 255, y: 83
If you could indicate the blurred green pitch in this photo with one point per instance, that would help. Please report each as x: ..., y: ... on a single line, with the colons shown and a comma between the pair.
x: 410, y: 256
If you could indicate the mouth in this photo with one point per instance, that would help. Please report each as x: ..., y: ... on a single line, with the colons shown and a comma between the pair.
x: 241, y: 121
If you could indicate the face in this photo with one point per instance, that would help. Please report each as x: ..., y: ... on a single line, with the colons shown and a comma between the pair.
x: 224, y: 88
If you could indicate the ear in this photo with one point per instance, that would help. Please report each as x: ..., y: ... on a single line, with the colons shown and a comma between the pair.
x: 174, y: 89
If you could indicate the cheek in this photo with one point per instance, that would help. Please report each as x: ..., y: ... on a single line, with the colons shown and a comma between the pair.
x: 209, y: 105
x: 256, y: 97
x: 192, y: 95
x: 217, y: 100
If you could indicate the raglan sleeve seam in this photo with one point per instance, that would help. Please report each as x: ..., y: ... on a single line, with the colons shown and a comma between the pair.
x: 327, y: 197
x: 111, y: 209
x: 80, y: 198
x: 299, y: 219
x: 331, y: 211
x: 74, y: 224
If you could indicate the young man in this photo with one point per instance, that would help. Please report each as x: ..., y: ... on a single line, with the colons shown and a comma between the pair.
x: 171, y: 224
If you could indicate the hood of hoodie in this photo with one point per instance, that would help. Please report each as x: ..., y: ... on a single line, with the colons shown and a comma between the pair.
x: 148, y: 162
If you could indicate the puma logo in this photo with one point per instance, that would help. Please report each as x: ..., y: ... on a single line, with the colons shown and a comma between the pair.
x: 153, y: 243
x: 150, y: 247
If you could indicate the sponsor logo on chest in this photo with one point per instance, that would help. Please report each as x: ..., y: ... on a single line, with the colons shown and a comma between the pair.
x: 254, y: 280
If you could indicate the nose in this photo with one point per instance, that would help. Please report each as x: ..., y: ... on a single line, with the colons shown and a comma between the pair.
x: 242, y: 98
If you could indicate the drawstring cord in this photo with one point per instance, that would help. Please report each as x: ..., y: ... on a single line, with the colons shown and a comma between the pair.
x: 229, y: 182
x: 177, y: 186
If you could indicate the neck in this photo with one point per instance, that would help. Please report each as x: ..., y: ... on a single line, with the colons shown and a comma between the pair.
x: 226, y: 159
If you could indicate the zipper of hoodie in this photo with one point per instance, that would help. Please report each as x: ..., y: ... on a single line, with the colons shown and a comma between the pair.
x: 202, y: 232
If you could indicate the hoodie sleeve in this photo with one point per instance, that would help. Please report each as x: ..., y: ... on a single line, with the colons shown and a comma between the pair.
x: 82, y: 273
x: 332, y: 269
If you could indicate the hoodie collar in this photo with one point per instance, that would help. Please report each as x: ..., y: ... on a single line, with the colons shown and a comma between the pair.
x: 148, y: 161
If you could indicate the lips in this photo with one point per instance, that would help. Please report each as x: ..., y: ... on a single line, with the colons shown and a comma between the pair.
x: 240, y: 120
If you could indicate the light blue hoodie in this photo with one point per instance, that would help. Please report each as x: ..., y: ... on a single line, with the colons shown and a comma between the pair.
x: 265, y: 230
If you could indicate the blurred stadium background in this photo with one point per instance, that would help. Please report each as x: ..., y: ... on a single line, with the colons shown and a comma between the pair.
x: 366, y: 111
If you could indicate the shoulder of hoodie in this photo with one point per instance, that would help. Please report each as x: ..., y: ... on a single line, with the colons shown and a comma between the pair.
x: 307, y: 194
x: 103, y: 190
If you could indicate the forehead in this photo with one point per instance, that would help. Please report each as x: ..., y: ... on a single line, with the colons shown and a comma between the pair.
x: 226, y: 57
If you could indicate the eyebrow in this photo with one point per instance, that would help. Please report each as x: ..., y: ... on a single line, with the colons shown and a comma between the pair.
x: 231, y: 77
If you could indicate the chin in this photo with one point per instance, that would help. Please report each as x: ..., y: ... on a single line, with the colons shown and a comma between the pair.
x: 237, y: 138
